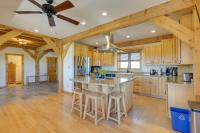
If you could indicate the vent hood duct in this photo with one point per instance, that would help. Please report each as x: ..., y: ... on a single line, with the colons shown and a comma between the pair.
x: 109, y: 46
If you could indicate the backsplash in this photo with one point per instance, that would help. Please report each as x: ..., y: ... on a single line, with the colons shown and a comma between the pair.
x: 181, y: 68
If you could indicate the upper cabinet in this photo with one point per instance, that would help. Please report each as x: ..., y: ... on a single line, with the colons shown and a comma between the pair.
x: 107, y: 59
x: 96, y: 59
x: 152, y: 54
x: 185, y: 50
x: 81, y: 50
x: 170, y: 51
x: 103, y: 59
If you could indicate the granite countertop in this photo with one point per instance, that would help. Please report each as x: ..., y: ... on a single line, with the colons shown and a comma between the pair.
x: 103, y: 82
x: 194, y: 106
x: 178, y: 81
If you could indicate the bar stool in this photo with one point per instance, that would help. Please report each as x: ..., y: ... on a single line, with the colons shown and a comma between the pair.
x: 77, y: 104
x: 119, y: 101
x: 93, y: 113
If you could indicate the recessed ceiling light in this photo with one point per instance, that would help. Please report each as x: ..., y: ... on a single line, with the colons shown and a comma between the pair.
x: 36, y: 30
x: 83, y: 23
x: 104, y: 13
x: 128, y: 36
x: 153, y: 31
x: 97, y: 43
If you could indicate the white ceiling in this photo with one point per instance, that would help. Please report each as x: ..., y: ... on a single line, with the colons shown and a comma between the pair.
x: 84, y: 10
x: 135, y: 32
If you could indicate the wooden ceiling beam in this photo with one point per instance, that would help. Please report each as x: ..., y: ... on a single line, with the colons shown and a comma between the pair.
x: 52, y: 45
x: 17, y: 46
x: 180, y: 31
x: 143, y: 41
x: 133, y: 19
x: 4, y: 38
x: 197, y: 5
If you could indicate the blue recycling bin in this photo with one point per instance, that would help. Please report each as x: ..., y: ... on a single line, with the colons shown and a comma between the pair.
x: 181, y: 120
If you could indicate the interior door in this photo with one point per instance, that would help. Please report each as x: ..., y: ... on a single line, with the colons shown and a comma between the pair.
x: 52, y: 69
x: 11, y: 72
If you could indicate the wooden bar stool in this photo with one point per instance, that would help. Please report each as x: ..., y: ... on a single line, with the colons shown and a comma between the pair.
x: 94, y: 113
x: 118, y: 101
x: 77, y: 103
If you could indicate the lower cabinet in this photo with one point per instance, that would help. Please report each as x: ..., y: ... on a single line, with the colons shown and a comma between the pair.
x: 151, y: 86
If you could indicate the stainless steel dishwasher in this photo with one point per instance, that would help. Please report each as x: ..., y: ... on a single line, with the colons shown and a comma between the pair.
x: 195, y: 107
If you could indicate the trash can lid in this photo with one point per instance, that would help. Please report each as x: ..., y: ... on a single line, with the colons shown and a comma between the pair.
x: 194, y: 106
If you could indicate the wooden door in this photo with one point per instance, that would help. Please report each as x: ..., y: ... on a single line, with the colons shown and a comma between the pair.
x: 11, y: 73
x: 52, y: 69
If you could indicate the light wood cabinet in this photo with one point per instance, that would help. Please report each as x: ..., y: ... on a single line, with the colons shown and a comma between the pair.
x: 152, y: 54
x: 96, y: 59
x: 186, y: 53
x: 81, y: 50
x: 170, y: 48
x: 107, y: 59
x: 103, y: 59
x: 150, y: 86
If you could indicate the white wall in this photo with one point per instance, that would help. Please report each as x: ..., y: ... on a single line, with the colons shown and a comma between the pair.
x: 29, y: 64
x: 69, y: 70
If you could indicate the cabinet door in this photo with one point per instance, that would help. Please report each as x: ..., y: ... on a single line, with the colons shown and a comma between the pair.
x: 186, y: 51
x: 157, y: 54
x: 147, y: 55
x: 167, y: 51
x: 162, y: 87
x: 110, y: 59
x: 154, y: 86
x: 96, y: 59
x: 90, y: 55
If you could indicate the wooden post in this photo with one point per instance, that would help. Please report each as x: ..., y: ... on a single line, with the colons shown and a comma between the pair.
x: 196, y: 55
x: 60, y: 69
x: 37, y: 70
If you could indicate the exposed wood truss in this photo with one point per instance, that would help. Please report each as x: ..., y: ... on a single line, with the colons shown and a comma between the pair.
x: 183, y: 33
x: 52, y: 44
x: 133, y: 19
x: 143, y: 41
x: 196, y: 53
x: 30, y: 53
x: 197, y: 5
x: 4, y: 38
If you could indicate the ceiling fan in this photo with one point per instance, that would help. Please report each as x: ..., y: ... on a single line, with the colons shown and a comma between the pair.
x: 52, y: 11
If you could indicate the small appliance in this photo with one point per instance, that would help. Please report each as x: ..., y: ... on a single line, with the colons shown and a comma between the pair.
x: 175, y: 71
x: 187, y: 77
x: 153, y: 72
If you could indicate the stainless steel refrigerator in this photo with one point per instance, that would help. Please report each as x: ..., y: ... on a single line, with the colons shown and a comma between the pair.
x: 81, y: 66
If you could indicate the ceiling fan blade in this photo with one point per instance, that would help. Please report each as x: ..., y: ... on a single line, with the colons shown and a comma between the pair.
x: 68, y: 19
x: 51, y: 21
x: 36, y: 3
x: 64, y: 6
x: 28, y: 12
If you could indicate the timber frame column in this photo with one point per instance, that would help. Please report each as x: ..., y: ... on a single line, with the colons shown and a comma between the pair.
x: 196, y: 53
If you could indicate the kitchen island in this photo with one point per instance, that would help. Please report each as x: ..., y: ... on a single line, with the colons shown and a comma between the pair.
x: 108, y: 86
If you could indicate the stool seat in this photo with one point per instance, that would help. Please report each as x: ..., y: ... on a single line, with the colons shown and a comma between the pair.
x: 116, y: 95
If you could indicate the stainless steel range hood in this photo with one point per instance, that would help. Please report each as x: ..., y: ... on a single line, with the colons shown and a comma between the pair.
x: 109, y: 46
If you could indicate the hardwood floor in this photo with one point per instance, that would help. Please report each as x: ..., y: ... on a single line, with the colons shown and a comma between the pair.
x: 52, y: 114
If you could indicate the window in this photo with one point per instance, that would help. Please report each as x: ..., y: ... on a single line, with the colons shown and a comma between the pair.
x: 135, y: 60
x: 129, y: 60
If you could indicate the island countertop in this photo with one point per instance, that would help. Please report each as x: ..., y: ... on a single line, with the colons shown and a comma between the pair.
x: 103, y: 82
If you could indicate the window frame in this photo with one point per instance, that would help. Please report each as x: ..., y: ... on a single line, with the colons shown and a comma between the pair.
x: 129, y: 61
